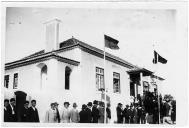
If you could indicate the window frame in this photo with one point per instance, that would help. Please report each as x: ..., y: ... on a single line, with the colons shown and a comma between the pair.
x: 101, y: 76
x: 15, y: 81
x: 115, y: 90
x: 5, y: 82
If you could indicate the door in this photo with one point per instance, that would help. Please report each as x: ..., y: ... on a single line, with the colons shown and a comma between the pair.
x: 20, y: 98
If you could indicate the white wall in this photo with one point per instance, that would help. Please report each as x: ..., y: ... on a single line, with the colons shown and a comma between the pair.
x: 74, y: 54
x: 82, y: 82
x: 88, y: 65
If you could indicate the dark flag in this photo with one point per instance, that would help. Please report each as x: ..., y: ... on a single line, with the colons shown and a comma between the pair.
x: 111, y: 43
x: 158, y: 58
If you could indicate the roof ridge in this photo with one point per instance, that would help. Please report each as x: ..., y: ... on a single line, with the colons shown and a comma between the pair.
x: 35, y: 54
x: 74, y: 42
x: 114, y: 56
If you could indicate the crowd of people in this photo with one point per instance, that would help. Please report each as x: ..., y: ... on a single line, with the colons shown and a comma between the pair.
x: 148, y: 110
x: 90, y: 113
x: 137, y: 114
x: 28, y: 114
x: 145, y: 112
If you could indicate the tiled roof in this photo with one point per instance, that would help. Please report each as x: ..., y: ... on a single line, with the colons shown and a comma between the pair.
x: 72, y: 43
x: 138, y: 70
x: 39, y: 58
x: 145, y: 72
x: 35, y: 54
x: 157, y: 77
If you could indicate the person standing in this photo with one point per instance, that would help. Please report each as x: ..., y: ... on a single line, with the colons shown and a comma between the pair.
x: 126, y: 114
x: 135, y: 113
x: 89, y: 112
x: 65, y: 116
x: 51, y: 115
x: 149, y: 118
x: 95, y: 112
x: 11, y: 109
x: 143, y: 115
x: 6, y: 113
x: 131, y: 114
x: 108, y: 111
x: 33, y: 112
x: 25, y: 112
x: 155, y: 112
x: 168, y: 108
x: 119, y: 113
x: 173, y: 112
x: 83, y: 114
x: 139, y: 114
x: 74, y: 114
x: 57, y: 112
x: 101, y: 112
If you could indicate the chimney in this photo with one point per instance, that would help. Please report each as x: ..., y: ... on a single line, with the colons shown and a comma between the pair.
x: 51, y: 35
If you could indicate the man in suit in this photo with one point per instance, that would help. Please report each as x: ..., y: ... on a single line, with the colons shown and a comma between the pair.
x: 50, y: 116
x: 33, y: 113
x: 25, y: 112
x: 131, y: 114
x: 83, y: 114
x: 108, y: 111
x: 168, y: 108
x: 126, y: 114
x: 11, y: 109
x: 6, y: 114
x: 101, y: 112
x: 65, y: 114
x: 57, y: 112
x: 95, y: 112
x: 89, y: 112
x: 74, y: 114
x: 119, y: 113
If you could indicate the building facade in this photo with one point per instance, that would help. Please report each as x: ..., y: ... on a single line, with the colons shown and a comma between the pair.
x: 73, y: 71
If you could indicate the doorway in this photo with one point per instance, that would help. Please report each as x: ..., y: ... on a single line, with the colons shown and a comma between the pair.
x: 20, y: 99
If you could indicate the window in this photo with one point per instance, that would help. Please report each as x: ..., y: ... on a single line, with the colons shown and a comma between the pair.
x: 132, y: 89
x: 43, y: 76
x: 6, y: 81
x: 116, y: 82
x: 99, y: 78
x: 67, y: 77
x: 145, y: 86
x: 15, y: 81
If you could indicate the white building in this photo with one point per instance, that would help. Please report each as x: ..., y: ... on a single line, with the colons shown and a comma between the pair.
x: 72, y: 71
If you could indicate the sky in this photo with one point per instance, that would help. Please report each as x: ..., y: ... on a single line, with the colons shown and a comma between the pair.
x: 138, y: 30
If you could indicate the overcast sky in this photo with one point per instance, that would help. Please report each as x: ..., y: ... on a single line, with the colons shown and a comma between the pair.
x: 136, y: 29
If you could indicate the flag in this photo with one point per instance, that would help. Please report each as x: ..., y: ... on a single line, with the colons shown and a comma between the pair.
x: 111, y: 43
x: 158, y: 58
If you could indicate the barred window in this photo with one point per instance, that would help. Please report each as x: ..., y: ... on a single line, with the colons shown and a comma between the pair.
x: 116, y: 82
x: 15, y: 81
x: 99, y: 78
x: 6, y: 81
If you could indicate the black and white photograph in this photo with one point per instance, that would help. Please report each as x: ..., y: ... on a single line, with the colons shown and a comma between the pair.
x: 94, y: 63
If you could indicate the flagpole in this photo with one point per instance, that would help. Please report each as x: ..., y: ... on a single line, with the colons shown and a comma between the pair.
x: 104, y: 84
x: 158, y: 92
x: 157, y: 84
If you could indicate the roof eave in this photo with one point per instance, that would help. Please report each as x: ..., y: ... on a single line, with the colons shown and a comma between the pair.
x: 140, y: 70
x: 40, y: 59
